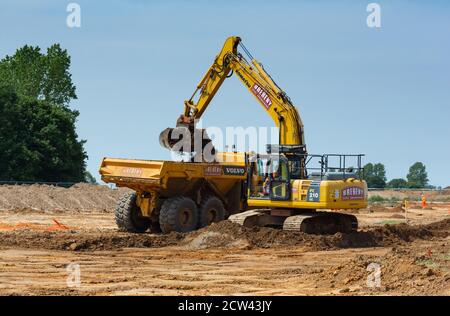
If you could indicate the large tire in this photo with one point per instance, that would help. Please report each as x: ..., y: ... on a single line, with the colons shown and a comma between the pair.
x: 178, y: 214
x: 127, y: 215
x: 211, y: 211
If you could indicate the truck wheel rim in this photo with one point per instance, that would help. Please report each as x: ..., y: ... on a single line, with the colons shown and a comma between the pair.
x: 211, y: 216
x: 185, y: 216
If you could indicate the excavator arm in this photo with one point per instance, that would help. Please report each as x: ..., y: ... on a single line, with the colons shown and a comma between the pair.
x: 254, y: 77
x: 211, y: 81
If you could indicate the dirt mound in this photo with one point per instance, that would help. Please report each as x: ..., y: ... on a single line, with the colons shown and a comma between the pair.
x: 81, y: 197
x: 410, y: 270
x: 397, y: 216
x: 412, y: 195
x: 261, y: 237
x: 224, y: 234
x: 378, y: 208
x: 210, y: 239
x: 86, y: 241
x: 397, y: 209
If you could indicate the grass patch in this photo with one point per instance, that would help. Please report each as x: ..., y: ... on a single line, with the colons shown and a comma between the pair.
x: 377, y: 199
x: 395, y: 199
x: 442, y: 199
x: 429, y: 263
x: 390, y: 222
x: 436, y: 262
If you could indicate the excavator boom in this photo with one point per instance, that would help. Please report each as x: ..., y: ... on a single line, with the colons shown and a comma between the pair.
x: 255, y: 78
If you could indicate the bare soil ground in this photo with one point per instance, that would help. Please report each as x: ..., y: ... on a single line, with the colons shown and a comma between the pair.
x: 39, y: 242
x: 81, y: 197
x: 413, y: 195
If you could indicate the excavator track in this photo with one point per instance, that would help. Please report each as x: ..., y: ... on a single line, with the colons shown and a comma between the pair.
x: 321, y: 223
x: 308, y: 222
x: 258, y: 218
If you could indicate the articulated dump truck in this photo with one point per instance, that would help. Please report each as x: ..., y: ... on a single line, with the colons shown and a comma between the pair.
x: 176, y: 196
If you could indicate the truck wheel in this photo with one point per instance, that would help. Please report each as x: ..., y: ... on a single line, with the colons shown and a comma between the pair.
x: 178, y: 214
x: 211, y: 211
x: 128, y: 216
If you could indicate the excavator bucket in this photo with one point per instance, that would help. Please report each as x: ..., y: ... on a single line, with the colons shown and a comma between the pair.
x: 185, y: 140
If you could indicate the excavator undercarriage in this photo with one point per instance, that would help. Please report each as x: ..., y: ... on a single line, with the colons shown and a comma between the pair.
x: 307, y: 221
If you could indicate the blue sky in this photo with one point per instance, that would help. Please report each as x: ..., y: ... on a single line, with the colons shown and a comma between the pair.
x: 383, y: 92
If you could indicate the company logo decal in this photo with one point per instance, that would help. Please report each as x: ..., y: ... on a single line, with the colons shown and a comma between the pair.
x: 262, y: 95
x: 233, y: 171
x: 131, y: 172
x: 209, y: 171
x: 353, y: 193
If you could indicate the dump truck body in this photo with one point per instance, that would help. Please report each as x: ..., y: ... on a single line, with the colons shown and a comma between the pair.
x: 169, y: 178
x: 156, y: 182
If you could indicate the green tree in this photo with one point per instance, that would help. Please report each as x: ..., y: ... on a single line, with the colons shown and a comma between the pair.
x: 89, y: 178
x: 417, y: 176
x: 375, y: 175
x: 57, y: 86
x: 397, y: 183
x: 24, y: 71
x: 38, y: 141
x: 39, y: 76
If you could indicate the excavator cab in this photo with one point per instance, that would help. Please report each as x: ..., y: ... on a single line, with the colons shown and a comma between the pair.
x: 289, y: 190
x: 280, y: 186
x: 269, y: 177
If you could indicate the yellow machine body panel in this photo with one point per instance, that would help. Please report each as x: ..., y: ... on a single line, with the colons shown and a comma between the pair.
x: 166, y: 176
x: 326, y: 194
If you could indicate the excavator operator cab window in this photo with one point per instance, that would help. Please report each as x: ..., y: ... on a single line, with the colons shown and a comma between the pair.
x: 280, y: 184
x: 263, y: 171
x: 270, y: 178
x: 295, y: 171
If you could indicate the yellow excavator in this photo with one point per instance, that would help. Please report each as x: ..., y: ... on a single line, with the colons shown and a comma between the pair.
x: 283, y: 189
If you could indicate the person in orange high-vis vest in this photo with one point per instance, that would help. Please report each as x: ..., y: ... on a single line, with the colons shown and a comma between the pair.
x: 424, y: 200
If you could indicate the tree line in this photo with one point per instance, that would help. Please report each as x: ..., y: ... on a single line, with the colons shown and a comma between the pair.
x: 38, y: 140
x: 375, y: 176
